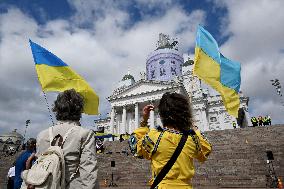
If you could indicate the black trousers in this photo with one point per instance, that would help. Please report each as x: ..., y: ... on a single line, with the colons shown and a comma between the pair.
x: 10, y: 184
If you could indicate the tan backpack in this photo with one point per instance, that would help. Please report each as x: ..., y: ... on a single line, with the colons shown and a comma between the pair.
x: 48, y: 172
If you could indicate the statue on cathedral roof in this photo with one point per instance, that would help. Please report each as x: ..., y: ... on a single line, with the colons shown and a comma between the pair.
x: 164, y: 42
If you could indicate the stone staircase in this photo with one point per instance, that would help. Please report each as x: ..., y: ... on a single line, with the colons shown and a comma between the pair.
x: 128, y: 171
x: 238, y: 160
x: 5, y: 164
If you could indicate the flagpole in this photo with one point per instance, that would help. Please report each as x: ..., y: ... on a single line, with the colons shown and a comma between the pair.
x: 48, y: 108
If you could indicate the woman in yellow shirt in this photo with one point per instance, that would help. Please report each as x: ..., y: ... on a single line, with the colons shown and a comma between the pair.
x: 158, y: 145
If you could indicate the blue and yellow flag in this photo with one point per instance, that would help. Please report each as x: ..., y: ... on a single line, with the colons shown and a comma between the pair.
x: 217, y: 71
x: 55, y: 75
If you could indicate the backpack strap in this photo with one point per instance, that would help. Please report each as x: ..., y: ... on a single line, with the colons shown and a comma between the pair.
x: 66, y: 135
x: 61, y: 143
x: 73, y: 174
x: 50, y: 135
x: 77, y: 169
x: 171, y: 162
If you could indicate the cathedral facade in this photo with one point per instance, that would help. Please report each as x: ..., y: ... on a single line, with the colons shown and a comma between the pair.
x: 167, y: 71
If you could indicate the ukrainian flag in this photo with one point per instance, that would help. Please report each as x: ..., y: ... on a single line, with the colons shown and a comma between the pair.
x: 217, y: 71
x: 55, y: 75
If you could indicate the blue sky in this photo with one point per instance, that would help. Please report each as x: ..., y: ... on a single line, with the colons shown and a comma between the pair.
x: 90, y: 34
x: 44, y: 11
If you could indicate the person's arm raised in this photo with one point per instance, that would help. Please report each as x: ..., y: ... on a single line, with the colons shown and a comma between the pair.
x: 146, y: 115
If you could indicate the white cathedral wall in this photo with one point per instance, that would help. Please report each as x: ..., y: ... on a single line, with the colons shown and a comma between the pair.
x: 128, y: 119
x: 158, y: 121
x: 222, y: 124
x: 130, y: 123
x: 137, y: 99
x: 118, y: 123
x: 247, y: 116
x: 214, y: 120
x: 200, y: 119
x: 223, y: 120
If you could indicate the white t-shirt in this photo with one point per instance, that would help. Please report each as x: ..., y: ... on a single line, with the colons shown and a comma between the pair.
x: 11, y: 172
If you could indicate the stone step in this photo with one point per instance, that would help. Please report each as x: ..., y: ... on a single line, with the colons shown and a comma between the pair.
x: 238, y: 160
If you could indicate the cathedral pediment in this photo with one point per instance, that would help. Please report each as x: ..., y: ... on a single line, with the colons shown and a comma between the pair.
x: 142, y: 87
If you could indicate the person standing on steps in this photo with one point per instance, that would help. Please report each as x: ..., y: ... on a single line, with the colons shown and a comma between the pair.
x: 22, y: 160
x: 79, y: 149
x: 234, y: 125
x: 173, y: 147
x: 260, y: 121
x: 10, y: 177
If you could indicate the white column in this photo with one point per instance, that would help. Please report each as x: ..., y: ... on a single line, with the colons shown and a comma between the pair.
x: 128, y: 122
x: 124, y: 119
x: 152, y: 119
x: 204, y: 120
x: 112, y: 120
x: 136, y: 116
x: 116, y: 116
x: 222, y: 124
x: 118, y: 123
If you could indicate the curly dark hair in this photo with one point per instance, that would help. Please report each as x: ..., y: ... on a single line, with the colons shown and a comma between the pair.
x: 31, y: 143
x: 68, y: 106
x: 175, y: 110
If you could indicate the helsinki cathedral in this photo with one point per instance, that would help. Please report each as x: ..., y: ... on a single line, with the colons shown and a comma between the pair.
x: 167, y: 70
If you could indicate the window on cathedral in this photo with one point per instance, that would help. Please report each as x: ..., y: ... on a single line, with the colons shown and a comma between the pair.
x: 162, y: 62
x: 153, y: 74
x: 173, y: 70
x: 227, y: 118
x: 213, y: 119
x: 162, y: 71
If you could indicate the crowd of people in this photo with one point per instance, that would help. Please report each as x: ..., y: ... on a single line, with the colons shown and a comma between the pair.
x: 100, y: 145
x: 261, y: 121
x: 64, y: 155
x: 100, y: 148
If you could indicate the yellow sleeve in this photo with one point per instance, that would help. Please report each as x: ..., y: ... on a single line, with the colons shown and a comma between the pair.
x: 204, y: 148
x: 145, y: 144
x: 141, y: 132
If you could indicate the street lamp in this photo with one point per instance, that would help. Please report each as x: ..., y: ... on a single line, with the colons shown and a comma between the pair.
x: 27, y: 123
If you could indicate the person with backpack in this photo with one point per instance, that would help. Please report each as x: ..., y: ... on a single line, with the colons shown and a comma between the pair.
x: 21, y: 161
x: 66, y: 154
x: 173, y: 147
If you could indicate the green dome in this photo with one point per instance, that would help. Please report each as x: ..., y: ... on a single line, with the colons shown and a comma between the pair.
x: 188, y: 63
x: 127, y: 76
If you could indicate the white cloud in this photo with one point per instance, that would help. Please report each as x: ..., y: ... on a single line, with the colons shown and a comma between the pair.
x: 111, y: 43
x: 101, y: 54
x: 256, y: 40
x: 154, y: 4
